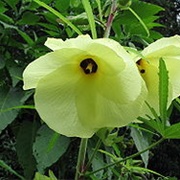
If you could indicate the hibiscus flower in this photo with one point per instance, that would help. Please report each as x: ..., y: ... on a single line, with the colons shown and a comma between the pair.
x: 85, y: 84
x: 168, y: 49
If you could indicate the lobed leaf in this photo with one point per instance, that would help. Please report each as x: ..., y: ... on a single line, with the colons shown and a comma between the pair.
x: 163, y: 91
x: 59, y: 15
x: 173, y: 131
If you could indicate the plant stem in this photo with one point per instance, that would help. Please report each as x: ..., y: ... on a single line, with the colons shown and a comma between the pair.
x: 110, y: 19
x: 93, y: 154
x: 8, y: 168
x: 100, y: 10
x: 81, y: 158
x: 129, y: 157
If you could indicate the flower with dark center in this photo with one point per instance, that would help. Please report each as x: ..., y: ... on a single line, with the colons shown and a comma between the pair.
x: 169, y: 50
x: 85, y: 85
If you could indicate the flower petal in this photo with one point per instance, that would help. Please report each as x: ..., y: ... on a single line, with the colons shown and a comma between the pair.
x: 47, y: 64
x: 55, y: 102
x: 97, y: 111
x: 173, y: 65
x: 73, y: 106
x: 74, y: 102
x: 169, y: 50
x: 81, y: 42
x: 164, y: 47
x: 111, y: 101
x: 108, y: 60
x: 114, y: 45
x: 115, y: 61
x: 151, y: 77
x: 96, y: 47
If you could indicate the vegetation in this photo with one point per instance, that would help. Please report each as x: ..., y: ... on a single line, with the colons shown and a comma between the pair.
x: 31, y: 150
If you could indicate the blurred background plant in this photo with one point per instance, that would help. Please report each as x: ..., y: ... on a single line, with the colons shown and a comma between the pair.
x: 27, y: 145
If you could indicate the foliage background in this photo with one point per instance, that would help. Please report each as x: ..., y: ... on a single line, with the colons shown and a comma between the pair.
x: 24, y: 27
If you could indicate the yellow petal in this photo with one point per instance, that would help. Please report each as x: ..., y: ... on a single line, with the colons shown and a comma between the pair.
x: 169, y: 50
x: 56, y: 105
x: 75, y: 106
x: 164, y: 47
x: 47, y: 64
x: 98, y: 108
x: 81, y: 42
x: 70, y: 54
x: 84, y: 85
x: 149, y: 73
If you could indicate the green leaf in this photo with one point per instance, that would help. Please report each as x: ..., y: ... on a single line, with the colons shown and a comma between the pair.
x: 80, y: 19
x: 39, y: 176
x: 12, y: 4
x: 25, y: 139
x: 130, y: 23
x: 90, y: 16
x: 140, y: 20
x: 75, y: 3
x: 97, y: 161
x: 15, y: 72
x: 141, y: 170
x: 8, y: 168
x: 173, y: 131
x: 25, y: 36
x: 143, y: 129
x: 49, y: 147
x: 52, y: 176
x: 9, y: 98
x: 141, y: 143
x: 107, y: 137
x: 61, y: 5
x: 3, y: 7
x: 29, y: 18
x: 5, y: 18
x: 155, y: 124
x: 59, y: 15
x: 50, y: 27
x: 50, y: 17
x: 163, y: 91
x: 2, y: 62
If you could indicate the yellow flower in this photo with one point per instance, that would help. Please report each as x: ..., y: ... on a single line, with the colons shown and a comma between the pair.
x: 169, y: 50
x: 85, y: 85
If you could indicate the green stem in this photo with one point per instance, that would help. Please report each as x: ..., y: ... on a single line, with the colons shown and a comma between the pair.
x: 129, y: 157
x: 100, y: 10
x: 81, y: 158
x: 110, y: 19
x: 8, y: 168
x: 140, y: 20
x: 93, y: 155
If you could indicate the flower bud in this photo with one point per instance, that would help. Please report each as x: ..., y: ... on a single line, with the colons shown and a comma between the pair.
x: 124, y: 4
